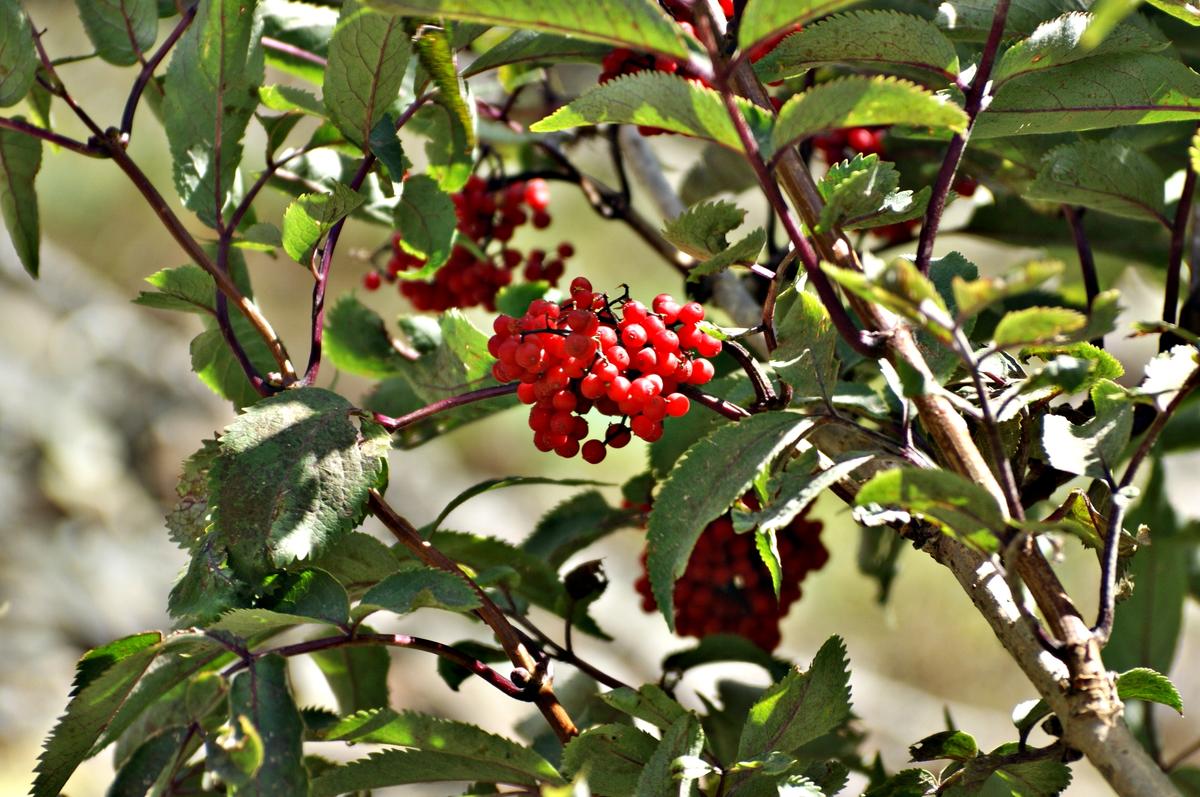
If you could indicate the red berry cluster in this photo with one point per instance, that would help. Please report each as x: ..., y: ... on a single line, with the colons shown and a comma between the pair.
x: 618, y: 357
x: 490, y: 219
x: 727, y: 588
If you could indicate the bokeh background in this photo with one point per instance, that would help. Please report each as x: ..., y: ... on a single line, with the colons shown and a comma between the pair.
x: 99, y: 408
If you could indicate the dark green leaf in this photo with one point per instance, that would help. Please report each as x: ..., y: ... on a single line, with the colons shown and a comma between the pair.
x: 807, y: 355
x: 744, y: 252
x: 357, y: 675
x: 426, y: 219
x: 1093, y: 448
x: 724, y: 647
x: 414, y: 588
x: 801, y: 707
x: 611, y: 758
x: 447, y: 145
x: 905, y: 783
x: 188, y: 521
x: 139, y: 774
x: 657, y: 99
x: 187, y: 288
x: 873, y: 39
x: 247, y: 624
x: 970, y: 20
x: 713, y: 474
x: 865, y: 192
x: 661, y: 775
x: 121, y: 30
x: 454, y: 674
x: 235, y: 755
x: 573, y: 525
x: 292, y: 477
x: 18, y: 58
x: 368, y: 55
x: 998, y: 772
x: 863, y: 102
x: 637, y: 24
x: 530, y: 46
x: 1061, y: 41
x: 715, y: 171
x: 1143, y: 683
x: 357, y: 341
x: 1104, y: 175
x: 797, y: 488
x: 1187, y: 780
x: 211, y: 93
x: 20, y: 160
x: 358, y: 562
x: 313, y: 594
x: 953, y: 745
x: 261, y: 695
x: 216, y: 366
x: 487, y: 485
x: 384, y: 142
x: 956, y: 505
x: 649, y: 703
x: 701, y: 230
x: 764, y: 18
x: 514, y: 300
x: 208, y: 588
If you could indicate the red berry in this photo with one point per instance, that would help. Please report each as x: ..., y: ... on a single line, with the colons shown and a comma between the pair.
x: 691, y: 312
x: 537, y: 194
x: 594, y: 451
x: 372, y: 280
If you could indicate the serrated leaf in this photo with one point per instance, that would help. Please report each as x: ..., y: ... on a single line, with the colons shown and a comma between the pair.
x: 187, y: 521
x: 1107, y: 14
x: 211, y: 91
x: 1061, y: 41
x: 863, y: 102
x: 357, y: 341
x: 531, y: 46
x: 140, y: 772
x: 289, y: 99
x: 1167, y: 373
x: 20, y: 161
x: 357, y: 675
x: 701, y: 230
x: 368, y: 56
x: 310, y: 593
x: 649, y: 703
x: 905, y: 783
x: 798, y: 488
x: 18, y: 58
x: 1037, y: 325
x: 974, y: 296
x: 958, y: 506
x: 447, y: 146
x: 1143, y: 683
x: 121, y: 30
x: 573, y: 525
x: 657, y: 99
x: 414, y: 588
x: 292, y: 477
x: 637, y: 24
x: 879, y: 40
x: 261, y: 695
x: 661, y: 774
x: 764, y: 18
x: 186, y: 288
x: 307, y: 219
x: 953, y: 745
x: 864, y: 192
x: 1100, y: 92
x: 1093, y: 448
x: 488, y: 485
x: 438, y: 750
x: 217, y: 367
x: 971, y: 20
x: 713, y: 474
x: 251, y: 623
x: 426, y: 220
x: 1104, y: 175
x: 358, y: 562
x: 807, y: 354
x: 208, y: 587
x: 611, y: 757
x: 103, y: 684
x: 998, y: 769
x: 744, y: 252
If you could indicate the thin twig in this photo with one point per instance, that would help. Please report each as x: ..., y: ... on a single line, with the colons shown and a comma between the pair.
x: 296, y: 52
x: 765, y: 395
x: 1087, y: 263
x: 58, y: 89
x: 1183, y: 214
x: 147, y: 74
x: 1108, y: 568
x: 718, y: 405
x: 429, y: 410
x: 65, y: 142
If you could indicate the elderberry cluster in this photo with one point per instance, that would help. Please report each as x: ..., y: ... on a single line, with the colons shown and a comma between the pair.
x: 618, y: 357
x: 473, y: 275
x: 727, y: 588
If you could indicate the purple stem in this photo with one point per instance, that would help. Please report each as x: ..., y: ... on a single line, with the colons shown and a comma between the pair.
x: 54, y: 138
x: 147, y: 73
x: 975, y: 97
x: 1087, y: 263
x: 718, y: 405
x: 1175, y: 259
x: 429, y: 410
x: 296, y: 52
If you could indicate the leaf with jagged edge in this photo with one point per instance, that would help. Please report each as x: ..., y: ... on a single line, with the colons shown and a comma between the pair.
x: 262, y: 696
x: 417, y: 587
x: 427, y: 221
x: 878, y: 40
x: 1031, y: 326
x: 657, y: 99
x: 1062, y: 41
x: 648, y: 703
x: 1092, y: 448
x: 121, y: 30
x: 710, y: 477
x: 765, y: 18
x: 531, y: 46
x: 144, y: 767
x: 292, y: 477
x: 573, y: 525
x: 807, y: 354
x: 1107, y: 176
x: 661, y: 775
x: 188, y: 520
x: 310, y: 593
x: 801, y: 707
x: 1107, y: 14
x: 971, y: 20
x: 865, y: 192
x: 368, y: 56
x: 957, y: 505
x: 610, y: 756
x: 436, y: 750
x: 18, y: 58
x: 308, y: 218
x: 745, y: 252
x: 211, y: 91
x: 20, y: 161
x: 796, y: 489
x: 187, y: 288
x: 1143, y: 683
x: 863, y: 102
x: 974, y: 296
x: 701, y: 229
x: 1101, y: 92
x: 636, y: 24
x: 218, y: 368
x: 357, y: 341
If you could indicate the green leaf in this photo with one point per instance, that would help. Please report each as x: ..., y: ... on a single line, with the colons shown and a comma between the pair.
x: 1108, y: 13
x: 649, y: 703
x: 807, y: 354
x: 308, y: 219
x: 878, y: 40
x: 1100, y: 92
x: 368, y: 55
x: 358, y: 562
x: 414, y: 588
x: 437, y: 750
x: 864, y: 193
x: 905, y: 783
x: 1143, y: 683
x: 863, y: 102
x: 801, y: 707
x: 713, y: 474
x: 657, y: 99
x: 701, y: 230
x: 235, y: 754
x: 1093, y: 448
x: 573, y: 525
x: 186, y: 288
x: 975, y: 296
x: 289, y: 99
x: 1167, y: 373
x: 308, y: 28
x: 384, y: 142
x: 447, y: 145
x: 744, y: 252
x: 721, y: 648
x: 18, y: 58
x: 487, y: 485
x: 357, y: 341
x: 208, y: 587
x: 637, y: 24
x: 313, y: 594
x: 426, y: 219
x: 531, y: 47
x: 20, y: 160
x: 971, y: 20
x: 765, y: 18
x: 106, y: 677
x: 250, y: 623
x: 140, y: 772
x: 1037, y: 325
x: 261, y: 695
x: 454, y: 674
x: 1104, y: 175
x: 661, y: 775
x: 436, y: 55
x: 611, y: 757
x: 798, y: 488
x: 121, y: 30
x: 1061, y: 41
x: 514, y: 300
x: 211, y: 93
x: 953, y: 745
x: 187, y: 522
x: 958, y: 506
x: 292, y: 478
x: 357, y: 675
x: 1180, y: 9
x: 216, y: 366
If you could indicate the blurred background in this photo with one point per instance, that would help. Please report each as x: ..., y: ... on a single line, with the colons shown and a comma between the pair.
x: 99, y: 409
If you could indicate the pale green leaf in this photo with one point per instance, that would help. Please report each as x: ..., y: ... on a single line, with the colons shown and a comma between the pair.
x: 946, y: 745
x: 20, y: 160
x: 1103, y: 175
x: 1034, y: 325
x: 701, y: 230
x: 289, y: 99
x: 1093, y: 448
x: 1060, y: 41
x: 764, y: 18
x: 958, y: 506
x: 807, y: 354
x: 1143, y: 683
x: 121, y: 30
x: 357, y: 675
x: 312, y: 215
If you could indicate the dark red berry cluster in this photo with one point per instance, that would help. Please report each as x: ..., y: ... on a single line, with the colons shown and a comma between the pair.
x: 489, y: 219
x: 727, y: 588
x: 618, y: 357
